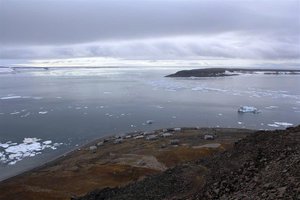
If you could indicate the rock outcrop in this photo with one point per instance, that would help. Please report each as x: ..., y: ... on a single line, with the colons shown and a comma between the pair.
x: 264, y: 165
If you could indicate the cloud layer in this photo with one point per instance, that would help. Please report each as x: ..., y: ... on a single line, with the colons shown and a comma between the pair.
x: 150, y: 29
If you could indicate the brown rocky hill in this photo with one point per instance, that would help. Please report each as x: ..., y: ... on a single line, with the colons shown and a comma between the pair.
x: 264, y: 165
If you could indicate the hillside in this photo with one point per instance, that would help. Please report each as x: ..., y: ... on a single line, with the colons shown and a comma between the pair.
x: 264, y: 165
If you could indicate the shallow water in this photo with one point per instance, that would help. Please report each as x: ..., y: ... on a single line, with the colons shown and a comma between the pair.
x: 70, y: 107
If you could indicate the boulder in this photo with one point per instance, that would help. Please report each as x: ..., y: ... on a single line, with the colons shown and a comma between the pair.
x: 139, y: 137
x: 93, y: 148
x: 100, y: 143
x: 167, y: 134
x: 152, y: 137
x: 177, y: 129
x: 118, y: 141
x: 208, y: 137
x: 174, y: 142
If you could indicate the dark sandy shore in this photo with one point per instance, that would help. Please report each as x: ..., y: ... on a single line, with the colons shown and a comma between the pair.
x: 118, y: 161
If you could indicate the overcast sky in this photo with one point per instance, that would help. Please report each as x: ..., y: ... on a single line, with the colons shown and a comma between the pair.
x: 150, y: 29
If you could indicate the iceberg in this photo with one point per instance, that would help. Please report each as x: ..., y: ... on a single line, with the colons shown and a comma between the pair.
x: 248, y: 109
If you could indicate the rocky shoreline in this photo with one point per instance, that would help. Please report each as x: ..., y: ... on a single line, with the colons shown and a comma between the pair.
x: 118, y: 161
x: 264, y: 165
x: 222, y: 72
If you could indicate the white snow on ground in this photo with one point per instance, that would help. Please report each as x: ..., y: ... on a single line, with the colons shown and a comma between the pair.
x: 11, y: 153
x: 278, y: 124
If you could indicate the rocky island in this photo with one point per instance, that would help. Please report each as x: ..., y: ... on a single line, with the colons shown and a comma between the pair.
x: 221, y: 72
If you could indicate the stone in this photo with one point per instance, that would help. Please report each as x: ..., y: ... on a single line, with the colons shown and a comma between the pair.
x: 152, y: 137
x: 174, y: 142
x: 118, y: 141
x: 167, y: 134
x: 208, y: 137
x: 100, y: 143
x: 93, y: 148
x: 139, y: 137
x: 177, y: 129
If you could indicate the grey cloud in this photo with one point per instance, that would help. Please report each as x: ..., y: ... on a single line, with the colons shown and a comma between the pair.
x: 150, y: 29
x: 229, y: 45
x: 79, y: 21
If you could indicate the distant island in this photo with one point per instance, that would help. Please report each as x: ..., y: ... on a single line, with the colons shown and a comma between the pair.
x: 220, y: 72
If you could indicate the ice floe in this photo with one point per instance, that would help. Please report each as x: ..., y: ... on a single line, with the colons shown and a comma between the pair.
x: 248, y: 109
x: 278, y: 124
x: 271, y: 107
x: 26, y: 115
x: 10, y: 97
x: 15, y: 113
x: 43, y: 112
x: 11, y: 153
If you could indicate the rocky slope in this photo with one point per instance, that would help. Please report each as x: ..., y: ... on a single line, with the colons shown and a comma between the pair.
x: 264, y: 165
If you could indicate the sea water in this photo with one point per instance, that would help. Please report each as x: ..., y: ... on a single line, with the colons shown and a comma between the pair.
x: 45, y: 113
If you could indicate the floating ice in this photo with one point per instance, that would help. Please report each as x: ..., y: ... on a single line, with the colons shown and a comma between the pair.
x: 273, y: 125
x: 248, y: 109
x: 10, y: 97
x: 11, y: 153
x: 278, y: 124
x: 283, y: 123
x: 43, y: 112
x: 47, y: 142
x: 15, y: 113
x: 149, y: 121
x: 37, y: 98
x: 30, y: 140
x: 5, y: 145
x: 26, y: 115
x: 271, y: 107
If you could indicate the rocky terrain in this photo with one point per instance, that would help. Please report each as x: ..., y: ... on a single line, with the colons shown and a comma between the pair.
x: 219, y: 72
x: 120, y: 160
x: 264, y: 165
